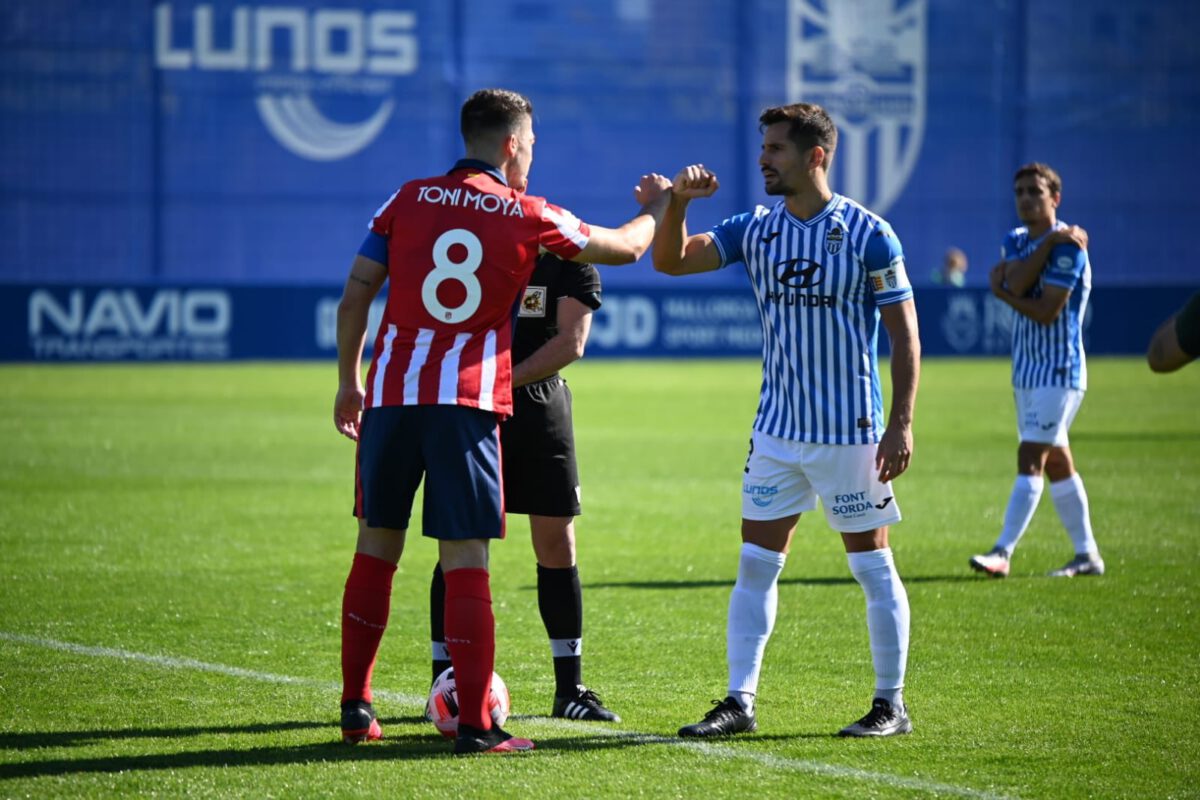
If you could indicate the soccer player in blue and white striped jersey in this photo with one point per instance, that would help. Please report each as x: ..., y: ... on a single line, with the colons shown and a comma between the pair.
x: 1045, y: 276
x: 825, y: 271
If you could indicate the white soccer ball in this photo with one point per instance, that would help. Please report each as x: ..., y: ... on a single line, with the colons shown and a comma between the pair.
x: 442, y: 707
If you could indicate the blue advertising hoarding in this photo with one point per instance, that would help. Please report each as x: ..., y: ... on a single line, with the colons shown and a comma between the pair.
x: 60, y: 323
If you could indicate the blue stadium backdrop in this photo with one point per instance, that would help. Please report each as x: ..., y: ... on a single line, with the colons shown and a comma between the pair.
x: 189, y: 180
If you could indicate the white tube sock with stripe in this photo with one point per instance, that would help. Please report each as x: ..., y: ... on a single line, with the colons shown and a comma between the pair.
x: 887, y: 619
x: 1071, y: 503
x: 1026, y: 492
x: 752, y: 607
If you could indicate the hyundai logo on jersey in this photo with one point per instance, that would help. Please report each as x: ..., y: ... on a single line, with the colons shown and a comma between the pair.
x: 800, y: 273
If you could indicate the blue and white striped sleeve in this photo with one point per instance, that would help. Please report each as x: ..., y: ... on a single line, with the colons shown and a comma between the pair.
x: 884, y: 259
x: 1064, y: 266
x: 728, y: 236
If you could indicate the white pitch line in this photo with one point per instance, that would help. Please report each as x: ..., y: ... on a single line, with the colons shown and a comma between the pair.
x: 171, y: 662
x: 709, y: 749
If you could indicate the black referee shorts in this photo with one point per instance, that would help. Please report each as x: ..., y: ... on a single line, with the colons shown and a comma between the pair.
x: 537, y: 452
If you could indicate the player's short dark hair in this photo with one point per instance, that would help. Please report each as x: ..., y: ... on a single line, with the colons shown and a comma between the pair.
x: 809, y: 125
x: 1043, y: 171
x: 493, y: 111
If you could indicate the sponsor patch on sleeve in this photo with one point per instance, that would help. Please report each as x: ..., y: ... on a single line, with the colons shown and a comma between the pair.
x: 1062, y: 268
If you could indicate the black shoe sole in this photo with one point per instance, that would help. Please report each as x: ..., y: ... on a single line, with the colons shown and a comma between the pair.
x: 987, y: 571
x: 587, y: 718
x: 691, y: 734
x: 899, y: 732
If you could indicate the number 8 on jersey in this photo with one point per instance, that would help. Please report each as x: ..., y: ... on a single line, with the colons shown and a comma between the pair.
x: 446, y: 269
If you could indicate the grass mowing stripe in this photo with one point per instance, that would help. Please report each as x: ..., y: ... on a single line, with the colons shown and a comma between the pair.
x: 172, y: 662
x: 707, y: 749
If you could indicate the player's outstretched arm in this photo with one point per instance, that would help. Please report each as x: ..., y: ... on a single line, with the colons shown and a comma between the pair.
x: 896, y: 446
x: 366, y: 278
x: 628, y: 243
x: 676, y: 253
x: 1021, y: 275
x: 1177, y: 340
x: 1164, y: 353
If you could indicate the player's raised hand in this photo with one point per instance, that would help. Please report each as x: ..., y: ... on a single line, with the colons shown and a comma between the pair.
x: 695, y: 181
x: 1072, y: 234
x: 651, y: 187
x: 347, y: 411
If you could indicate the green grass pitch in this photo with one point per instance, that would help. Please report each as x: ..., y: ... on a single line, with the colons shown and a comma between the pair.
x: 174, y: 540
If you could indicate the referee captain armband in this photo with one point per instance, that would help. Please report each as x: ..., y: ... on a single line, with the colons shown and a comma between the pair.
x: 374, y: 247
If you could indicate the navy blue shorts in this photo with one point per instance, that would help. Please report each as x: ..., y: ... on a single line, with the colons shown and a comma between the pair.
x: 454, y: 448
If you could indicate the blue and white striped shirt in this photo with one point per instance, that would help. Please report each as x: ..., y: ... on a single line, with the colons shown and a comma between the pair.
x: 819, y: 283
x: 1051, y: 355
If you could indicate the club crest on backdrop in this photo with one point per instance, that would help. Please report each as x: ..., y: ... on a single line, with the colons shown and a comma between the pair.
x: 865, y: 62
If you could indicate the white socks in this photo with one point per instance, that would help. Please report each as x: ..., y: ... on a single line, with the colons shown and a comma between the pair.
x: 887, y: 619
x: 1026, y: 492
x: 752, y: 607
x: 1071, y: 503
x: 755, y: 598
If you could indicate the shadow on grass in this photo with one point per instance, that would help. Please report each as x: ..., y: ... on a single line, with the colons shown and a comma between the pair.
x: 599, y: 741
x: 827, y: 581
x: 393, y: 747
x: 24, y: 741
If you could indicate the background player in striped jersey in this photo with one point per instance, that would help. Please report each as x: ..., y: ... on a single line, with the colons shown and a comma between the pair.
x: 824, y: 270
x: 459, y: 250
x: 541, y: 478
x: 1045, y: 276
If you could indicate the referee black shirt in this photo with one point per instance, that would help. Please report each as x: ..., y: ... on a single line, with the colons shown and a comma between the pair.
x: 537, y: 318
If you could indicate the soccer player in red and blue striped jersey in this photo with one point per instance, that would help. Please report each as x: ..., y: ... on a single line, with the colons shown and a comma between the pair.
x: 457, y: 250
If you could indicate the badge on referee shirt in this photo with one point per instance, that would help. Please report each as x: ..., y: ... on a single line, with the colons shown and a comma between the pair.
x: 534, y: 302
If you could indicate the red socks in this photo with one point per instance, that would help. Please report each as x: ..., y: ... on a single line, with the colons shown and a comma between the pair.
x: 365, y: 606
x: 470, y: 633
x: 471, y: 639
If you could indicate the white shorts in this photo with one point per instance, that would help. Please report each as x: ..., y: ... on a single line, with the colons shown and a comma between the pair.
x: 1045, y: 414
x: 785, y: 477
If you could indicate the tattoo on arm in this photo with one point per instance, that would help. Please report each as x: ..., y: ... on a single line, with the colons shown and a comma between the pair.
x: 363, y: 281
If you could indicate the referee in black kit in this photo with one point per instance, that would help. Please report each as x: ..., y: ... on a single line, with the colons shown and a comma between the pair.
x: 537, y: 446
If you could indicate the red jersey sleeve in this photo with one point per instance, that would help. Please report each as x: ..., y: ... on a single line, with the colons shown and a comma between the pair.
x: 563, y: 233
x: 381, y: 222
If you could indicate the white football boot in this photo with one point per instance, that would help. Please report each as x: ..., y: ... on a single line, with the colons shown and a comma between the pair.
x: 994, y: 563
x: 1082, y: 564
